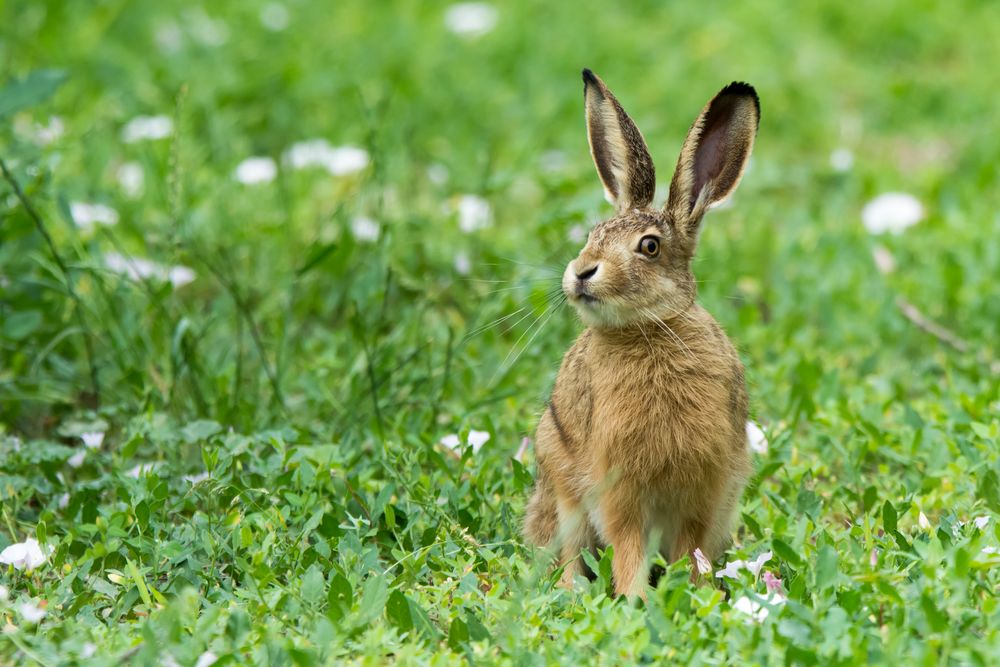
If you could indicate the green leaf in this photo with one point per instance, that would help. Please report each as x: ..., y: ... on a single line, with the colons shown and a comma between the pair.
x: 786, y: 553
x: 889, y: 517
x: 989, y: 490
x: 20, y: 325
x: 139, y: 581
x: 373, y: 596
x: 826, y: 567
x: 458, y: 634
x: 33, y: 89
x: 203, y: 429
x: 397, y: 610
x: 340, y: 597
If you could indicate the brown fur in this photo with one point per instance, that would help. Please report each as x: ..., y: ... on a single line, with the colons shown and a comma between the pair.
x: 643, y: 444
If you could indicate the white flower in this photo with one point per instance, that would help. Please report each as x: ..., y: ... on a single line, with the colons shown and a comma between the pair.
x: 842, y: 159
x: 88, y: 650
x: 206, y: 30
x: 923, y: 522
x: 884, y: 261
x: 873, y: 558
x: 85, y: 215
x: 76, y: 460
x: 981, y: 522
x: 577, y: 234
x: 147, y: 127
x: 31, y: 614
x: 471, y: 19
x: 525, y: 443
x: 25, y: 555
x: 754, y: 609
x: 474, y: 213
x: 195, y: 479
x: 4, y: 593
x: 138, y: 268
x: 704, y: 565
x: 891, y: 212
x: 131, y: 179
x: 274, y: 16
x: 339, y: 161
x: 989, y: 551
x: 64, y: 501
x: 93, y: 440
x: 46, y: 134
x: 141, y: 469
x: 365, y: 229
x: 255, y: 170
x: 462, y: 264
x: 755, y: 565
x: 205, y: 659
x: 477, y: 439
x: 731, y: 570
x: 756, y: 440
x: 169, y: 37
x: 437, y: 174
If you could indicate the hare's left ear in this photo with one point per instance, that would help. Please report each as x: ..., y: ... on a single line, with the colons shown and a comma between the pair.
x: 715, y: 154
x: 618, y: 148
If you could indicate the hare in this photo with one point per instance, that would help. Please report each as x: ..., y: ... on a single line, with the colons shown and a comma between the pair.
x: 643, y: 443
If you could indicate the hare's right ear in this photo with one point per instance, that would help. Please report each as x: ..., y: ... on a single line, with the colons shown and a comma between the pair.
x: 617, y: 147
x: 714, y: 155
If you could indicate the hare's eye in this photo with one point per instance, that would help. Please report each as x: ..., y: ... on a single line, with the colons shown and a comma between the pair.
x: 649, y: 246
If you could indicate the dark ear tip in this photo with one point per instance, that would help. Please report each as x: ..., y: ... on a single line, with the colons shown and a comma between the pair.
x: 743, y: 89
x: 589, y: 76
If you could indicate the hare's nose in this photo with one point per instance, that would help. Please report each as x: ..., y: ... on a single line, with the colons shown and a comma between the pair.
x: 588, y: 273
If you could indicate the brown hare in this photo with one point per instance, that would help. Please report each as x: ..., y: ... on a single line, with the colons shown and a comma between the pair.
x: 643, y: 443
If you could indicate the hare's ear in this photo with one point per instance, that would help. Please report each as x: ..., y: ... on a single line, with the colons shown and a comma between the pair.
x: 715, y: 153
x: 617, y: 147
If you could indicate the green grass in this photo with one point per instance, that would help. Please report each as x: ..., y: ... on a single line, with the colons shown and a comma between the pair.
x: 311, y: 375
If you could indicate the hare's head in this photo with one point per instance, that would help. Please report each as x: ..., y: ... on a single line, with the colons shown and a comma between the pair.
x: 637, y: 265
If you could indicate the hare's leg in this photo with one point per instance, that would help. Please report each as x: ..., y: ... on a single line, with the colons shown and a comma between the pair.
x: 691, y: 536
x: 541, y: 519
x: 625, y: 528
x: 575, y: 535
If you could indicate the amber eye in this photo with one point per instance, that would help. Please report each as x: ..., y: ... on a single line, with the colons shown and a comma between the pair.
x: 649, y: 246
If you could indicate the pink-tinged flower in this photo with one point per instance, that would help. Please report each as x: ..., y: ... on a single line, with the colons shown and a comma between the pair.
x: 76, y: 460
x: 773, y: 583
x: 704, y: 565
x: 981, y: 522
x: 92, y: 440
x: 873, y: 559
x: 923, y: 522
x: 31, y: 614
x: 523, y: 449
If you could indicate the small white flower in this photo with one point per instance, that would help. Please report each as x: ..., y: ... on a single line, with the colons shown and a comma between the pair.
x: 525, y: 443
x: 195, y: 479
x: 167, y: 660
x: 138, y: 268
x: 884, y: 261
x: 141, y: 469
x: 274, y: 16
x: 731, y: 570
x: 841, y: 159
x: 989, y: 551
x: 981, y: 522
x: 756, y: 439
x: 46, y: 134
x: 31, y: 614
x: 93, y: 440
x: 76, y: 460
x: 873, y: 558
x: 131, y: 179
x: 4, y: 593
x: 754, y: 609
x: 577, y: 234
x: 206, y: 30
x: 64, y: 501
x: 757, y: 563
x: 704, y: 565
x: 451, y: 441
x: 85, y: 215
x: 169, y: 37
x: 205, y: 659
x: 26, y: 555
x: 474, y: 213
x: 891, y: 212
x: 143, y: 128
x: 365, y: 229
x: 256, y: 170
x: 477, y: 439
x: 437, y: 174
x: 471, y: 19
x: 346, y: 160
x: 339, y: 161
x: 462, y: 263
x: 88, y: 650
x: 923, y: 522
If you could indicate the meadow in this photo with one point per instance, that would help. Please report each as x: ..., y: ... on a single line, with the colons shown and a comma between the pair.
x: 276, y: 318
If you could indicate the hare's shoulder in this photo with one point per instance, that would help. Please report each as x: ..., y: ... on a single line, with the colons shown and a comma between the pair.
x: 571, y: 404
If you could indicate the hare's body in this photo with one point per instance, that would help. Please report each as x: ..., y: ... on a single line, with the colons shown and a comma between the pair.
x: 643, y: 443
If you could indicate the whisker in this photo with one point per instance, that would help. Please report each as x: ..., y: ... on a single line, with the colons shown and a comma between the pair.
x: 547, y: 314
x: 666, y: 329
x: 495, y: 322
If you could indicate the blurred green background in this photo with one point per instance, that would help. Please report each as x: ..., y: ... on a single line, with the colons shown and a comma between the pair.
x: 345, y: 303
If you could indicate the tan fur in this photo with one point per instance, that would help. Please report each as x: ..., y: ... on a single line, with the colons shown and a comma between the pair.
x: 643, y: 443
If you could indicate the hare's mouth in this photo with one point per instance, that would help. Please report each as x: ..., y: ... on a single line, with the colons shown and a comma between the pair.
x: 586, y: 298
